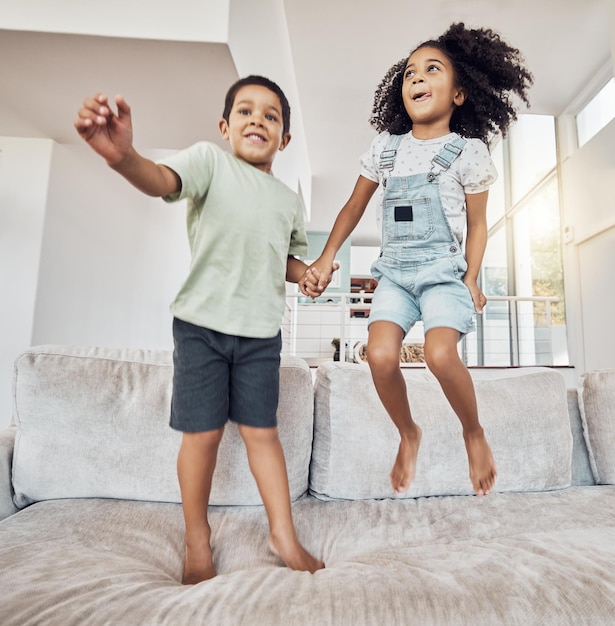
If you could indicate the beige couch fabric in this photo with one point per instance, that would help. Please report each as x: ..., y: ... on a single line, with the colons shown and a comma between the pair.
x: 523, y: 411
x: 597, y: 406
x: 581, y: 468
x: 531, y: 559
x: 512, y: 557
x: 94, y: 422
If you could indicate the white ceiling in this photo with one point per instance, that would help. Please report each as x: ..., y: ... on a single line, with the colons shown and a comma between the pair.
x: 340, y: 51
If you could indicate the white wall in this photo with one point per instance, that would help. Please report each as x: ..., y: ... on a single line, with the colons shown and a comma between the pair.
x: 85, y: 259
x: 589, y: 258
x: 588, y: 220
x: 112, y: 258
x: 361, y: 259
x: 251, y: 23
x: 24, y: 175
x: 597, y: 265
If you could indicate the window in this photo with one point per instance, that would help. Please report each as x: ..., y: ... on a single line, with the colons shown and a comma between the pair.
x: 538, y: 247
x: 524, y: 255
x: 597, y: 113
x: 495, y: 274
x: 538, y: 272
x: 496, y: 206
x: 532, y: 152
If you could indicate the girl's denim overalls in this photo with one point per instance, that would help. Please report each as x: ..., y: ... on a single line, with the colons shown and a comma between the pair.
x: 421, y: 263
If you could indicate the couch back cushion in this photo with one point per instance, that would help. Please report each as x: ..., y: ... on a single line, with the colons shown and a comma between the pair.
x: 523, y: 411
x: 94, y: 422
x: 597, y: 406
x: 582, y: 473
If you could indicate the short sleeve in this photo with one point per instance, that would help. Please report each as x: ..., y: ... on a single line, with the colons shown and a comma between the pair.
x: 194, y: 166
x: 476, y: 168
x: 370, y: 159
x: 298, y: 238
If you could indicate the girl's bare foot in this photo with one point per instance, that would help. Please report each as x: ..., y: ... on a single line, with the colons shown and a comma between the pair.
x: 294, y: 555
x: 404, y: 469
x: 198, y: 564
x: 482, y: 464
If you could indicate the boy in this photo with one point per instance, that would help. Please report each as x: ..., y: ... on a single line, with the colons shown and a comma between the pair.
x: 244, y: 228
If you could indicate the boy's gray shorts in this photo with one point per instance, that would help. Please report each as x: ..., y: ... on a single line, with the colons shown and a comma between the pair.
x: 220, y: 377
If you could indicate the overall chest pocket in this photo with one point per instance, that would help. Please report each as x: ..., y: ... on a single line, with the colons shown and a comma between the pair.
x: 407, y: 218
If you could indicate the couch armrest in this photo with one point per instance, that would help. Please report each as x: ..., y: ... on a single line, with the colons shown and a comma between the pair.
x: 7, y: 440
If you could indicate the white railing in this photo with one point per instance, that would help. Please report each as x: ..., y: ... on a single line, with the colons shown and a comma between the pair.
x: 510, y: 332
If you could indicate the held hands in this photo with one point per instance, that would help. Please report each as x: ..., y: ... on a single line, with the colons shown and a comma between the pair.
x: 107, y: 133
x: 317, y: 278
x: 478, y: 297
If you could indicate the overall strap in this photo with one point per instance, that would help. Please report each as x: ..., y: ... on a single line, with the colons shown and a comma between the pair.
x: 388, y: 155
x: 448, y: 153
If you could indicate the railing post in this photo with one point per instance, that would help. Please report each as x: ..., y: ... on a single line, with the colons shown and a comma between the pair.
x: 342, y: 349
x: 480, y: 339
x: 514, y: 333
x: 549, y: 327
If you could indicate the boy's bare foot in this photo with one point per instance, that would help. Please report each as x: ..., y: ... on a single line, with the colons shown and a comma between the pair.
x: 404, y: 469
x: 294, y: 555
x: 482, y: 465
x: 198, y: 564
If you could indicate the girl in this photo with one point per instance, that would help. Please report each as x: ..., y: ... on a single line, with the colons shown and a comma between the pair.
x: 435, y: 111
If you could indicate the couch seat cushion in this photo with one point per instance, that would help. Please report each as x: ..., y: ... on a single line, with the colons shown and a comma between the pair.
x: 541, y: 558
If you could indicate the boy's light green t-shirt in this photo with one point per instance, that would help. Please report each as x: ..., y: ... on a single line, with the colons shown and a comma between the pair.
x: 242, y: 226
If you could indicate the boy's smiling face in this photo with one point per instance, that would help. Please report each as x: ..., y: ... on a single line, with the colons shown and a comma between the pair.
x: 255, y: 128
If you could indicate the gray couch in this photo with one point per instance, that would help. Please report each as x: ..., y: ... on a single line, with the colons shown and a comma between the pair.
x: 92, y: 529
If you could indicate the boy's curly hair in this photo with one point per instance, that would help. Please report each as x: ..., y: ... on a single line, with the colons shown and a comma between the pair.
x: 486, y: 67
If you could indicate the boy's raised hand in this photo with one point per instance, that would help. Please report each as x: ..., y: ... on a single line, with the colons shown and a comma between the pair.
x: 107, y: 133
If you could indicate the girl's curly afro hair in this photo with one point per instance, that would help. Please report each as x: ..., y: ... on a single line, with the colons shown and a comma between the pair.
x: 486, y: 67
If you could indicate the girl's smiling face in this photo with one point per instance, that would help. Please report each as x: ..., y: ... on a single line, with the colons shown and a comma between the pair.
x: 255, y: 128
x: 430, y: 92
